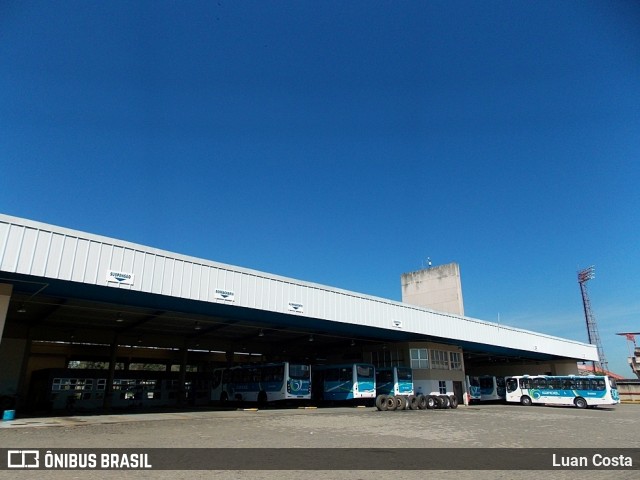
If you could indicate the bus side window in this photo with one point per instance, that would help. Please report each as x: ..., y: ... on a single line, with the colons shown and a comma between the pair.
x: 512, y: 385
x: 540, y: 383
x: 556, y: 383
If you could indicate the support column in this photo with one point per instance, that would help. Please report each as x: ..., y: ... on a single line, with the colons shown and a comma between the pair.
x: 465, y: 388
x: 182, y: 388
x: 23, y: 389
x: 5, y: 296
x: 107, y: 401
x: 11, y: 352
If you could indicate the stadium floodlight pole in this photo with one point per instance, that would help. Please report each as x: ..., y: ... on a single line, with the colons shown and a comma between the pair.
x: 584, y: 276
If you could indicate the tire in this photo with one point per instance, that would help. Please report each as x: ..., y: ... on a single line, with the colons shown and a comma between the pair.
x: 412, y: 401
x: 445, y: 401
x: 526, y: 401
x: 432, y: 402
x: 453, y: 401
x: 580, y: 402
x: 422, y: 402
x: 381, y: 403
x: 391, y: 403
x: 401, y: 403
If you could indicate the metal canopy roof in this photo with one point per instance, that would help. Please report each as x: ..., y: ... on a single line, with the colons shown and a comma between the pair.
x: 62, y: 292
x: 61, y: 311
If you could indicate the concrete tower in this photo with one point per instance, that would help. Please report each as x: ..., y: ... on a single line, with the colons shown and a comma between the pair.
x: 437, y: 288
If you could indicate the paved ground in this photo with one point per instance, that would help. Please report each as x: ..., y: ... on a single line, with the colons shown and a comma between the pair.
x: 498, y: 426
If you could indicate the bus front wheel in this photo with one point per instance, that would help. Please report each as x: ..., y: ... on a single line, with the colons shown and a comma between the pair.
x: 526, y: 401
x: 580, y: 402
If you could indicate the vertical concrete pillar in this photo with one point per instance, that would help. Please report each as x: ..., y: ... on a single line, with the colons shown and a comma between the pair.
x: 465, y: 392
x: 23, y: 387
x: 5, y: 296
x: 108, y: 388
x: 11, y: 351
x: 182, y: 387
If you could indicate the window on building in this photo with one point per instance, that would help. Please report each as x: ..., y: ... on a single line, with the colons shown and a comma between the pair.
x: 440, y: 359
x: 442, y: 387
x: 456, y: 360
x: 419, y: 358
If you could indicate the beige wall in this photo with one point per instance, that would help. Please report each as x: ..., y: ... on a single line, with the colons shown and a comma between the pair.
x: 398, y: 354
x: 629, y: 392
x: 437, y: 288
x: 569, y: 367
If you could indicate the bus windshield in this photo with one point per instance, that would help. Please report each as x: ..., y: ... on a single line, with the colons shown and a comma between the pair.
x: 299, y: 371
x: 365, y: 371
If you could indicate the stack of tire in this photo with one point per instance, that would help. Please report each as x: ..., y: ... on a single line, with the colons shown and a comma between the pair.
x: 387, y: 403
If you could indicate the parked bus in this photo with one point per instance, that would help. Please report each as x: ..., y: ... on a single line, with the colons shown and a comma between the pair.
x: 485, y: 388
x: 84, y: 390
x: 581, y: 391
x: 394, y: 390
x: 344, y: 382
x: 473, y: 388
x: 270, y: 382
x: 491, y: 388
x: 397, y: 381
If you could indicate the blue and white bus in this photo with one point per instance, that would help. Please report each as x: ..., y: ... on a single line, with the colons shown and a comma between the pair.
x: 473, y: 388
x: 397, y: 381
x: 578, y: 390
x: 264, y: 383
x: 351, y: 381
x: 485, y: 388
x: 491, y: 388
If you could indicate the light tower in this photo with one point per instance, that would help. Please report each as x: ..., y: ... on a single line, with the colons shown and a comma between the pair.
x: 592, y: 328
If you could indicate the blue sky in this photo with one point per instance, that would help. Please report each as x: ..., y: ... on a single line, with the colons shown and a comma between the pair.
x: 344, y: 142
